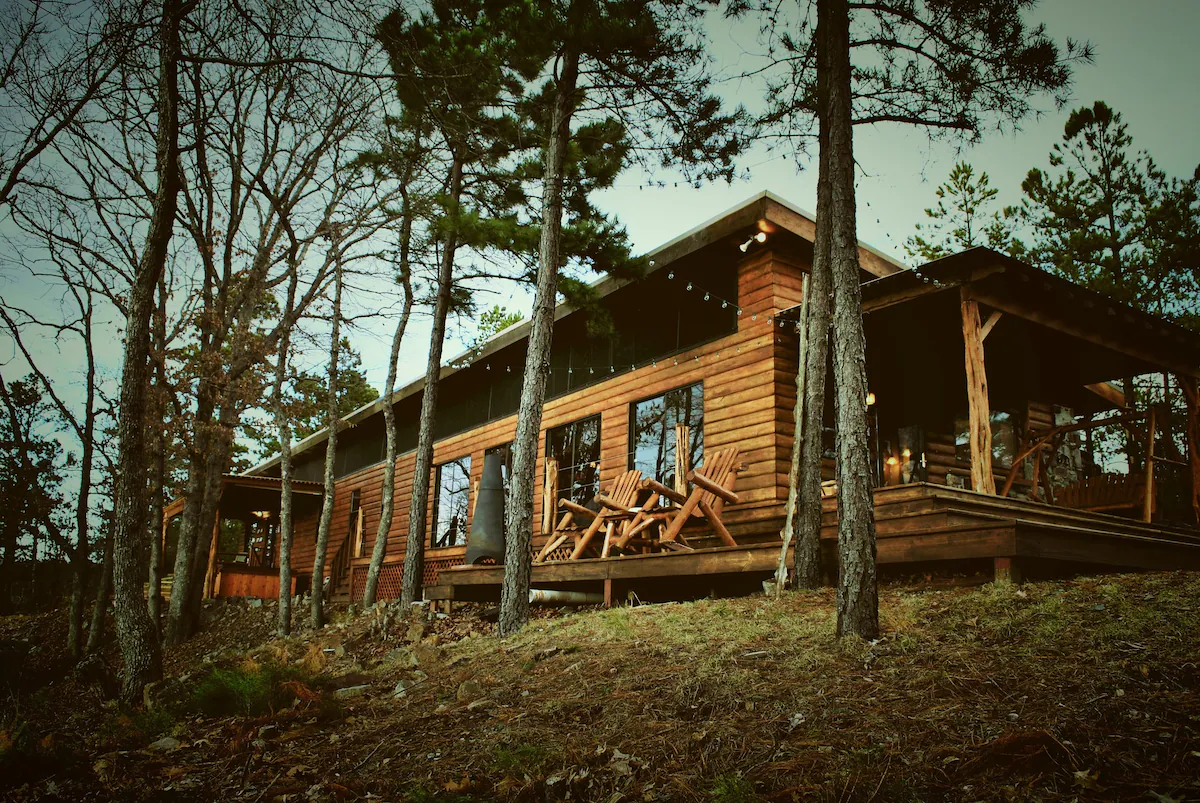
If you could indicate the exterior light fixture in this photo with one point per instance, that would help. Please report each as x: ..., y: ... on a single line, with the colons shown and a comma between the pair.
x: 870, y: 399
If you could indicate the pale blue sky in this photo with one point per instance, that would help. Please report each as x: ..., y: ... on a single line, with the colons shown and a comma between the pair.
x: 1146, y: 67
x: 1147, y: 60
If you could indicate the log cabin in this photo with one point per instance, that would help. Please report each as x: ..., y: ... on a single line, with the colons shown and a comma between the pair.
x: 1002, y: 438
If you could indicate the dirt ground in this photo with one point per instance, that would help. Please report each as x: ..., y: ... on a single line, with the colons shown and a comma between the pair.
x: 1080, y: 690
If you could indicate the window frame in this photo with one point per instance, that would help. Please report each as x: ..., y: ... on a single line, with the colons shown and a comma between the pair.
x: 435, y: 524
x: 569, y: 492
x: 694, y: 459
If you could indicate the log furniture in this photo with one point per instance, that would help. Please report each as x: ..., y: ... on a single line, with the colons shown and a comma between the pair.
x: 616, y: 506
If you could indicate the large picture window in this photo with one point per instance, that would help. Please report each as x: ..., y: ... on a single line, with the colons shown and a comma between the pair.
x: 576, y: 447
x: 452, y: 493
x: 652, y: 426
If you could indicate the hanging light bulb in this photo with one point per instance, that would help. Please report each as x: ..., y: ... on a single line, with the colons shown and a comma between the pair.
x: 591, y: 370
x: 671, y: 275
x: 706, y: 296
x: 724, y: 304
x: 689, y: 287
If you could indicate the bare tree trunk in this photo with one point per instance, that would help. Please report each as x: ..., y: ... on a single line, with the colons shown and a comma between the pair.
x: 215, y: 464
x: 318, y: 572
x: 414, y: 550
x: 178, y: 628
x: 286, y: 523
x: 858, y: 602
x: 789, y: 522
x: 87, y: 439
x: 137, y: 634
x: 807, y: 558
x: 518, y: 548
x: 96, y: 633
x: 388, y: 490
x: 158, y: 477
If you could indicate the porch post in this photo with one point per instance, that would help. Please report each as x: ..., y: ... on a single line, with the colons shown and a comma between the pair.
x: 979, y: 414
x: 1192, y: 428
x: 210, y: 576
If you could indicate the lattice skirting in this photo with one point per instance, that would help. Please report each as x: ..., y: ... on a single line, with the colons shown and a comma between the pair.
x: 391, y: 577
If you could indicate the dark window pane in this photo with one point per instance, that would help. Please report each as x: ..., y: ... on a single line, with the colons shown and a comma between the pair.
x: 453, y: 492
x: 652, y: 424
x: 576, y: 447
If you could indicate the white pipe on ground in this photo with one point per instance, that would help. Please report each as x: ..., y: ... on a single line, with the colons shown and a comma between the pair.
x: 549, y: 596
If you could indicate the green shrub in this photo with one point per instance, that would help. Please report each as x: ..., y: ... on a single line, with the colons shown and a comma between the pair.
x: 250, y: 690
x: 732, y: 788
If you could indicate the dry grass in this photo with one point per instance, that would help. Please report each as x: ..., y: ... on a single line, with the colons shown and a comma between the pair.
x: 1086, y: 690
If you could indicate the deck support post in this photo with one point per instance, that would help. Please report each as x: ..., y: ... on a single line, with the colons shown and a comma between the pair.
x: 609, y: 600
x: 978, y: 409
x: 1007, y: 570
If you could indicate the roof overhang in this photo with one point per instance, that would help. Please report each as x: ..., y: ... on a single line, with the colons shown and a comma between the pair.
x: 1008, y: 285
x: 765, y: 212
x: 249, y: 491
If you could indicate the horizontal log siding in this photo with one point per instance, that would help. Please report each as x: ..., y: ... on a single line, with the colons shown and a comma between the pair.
x: 743, y: 374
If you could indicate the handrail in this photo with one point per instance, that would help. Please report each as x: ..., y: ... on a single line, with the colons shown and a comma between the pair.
x: 1034, y: 441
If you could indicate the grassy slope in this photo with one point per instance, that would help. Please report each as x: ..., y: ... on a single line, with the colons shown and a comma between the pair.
x: 1080, y: 690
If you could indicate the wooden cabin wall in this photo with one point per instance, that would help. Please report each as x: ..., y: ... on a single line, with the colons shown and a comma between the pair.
x: 749, y: 392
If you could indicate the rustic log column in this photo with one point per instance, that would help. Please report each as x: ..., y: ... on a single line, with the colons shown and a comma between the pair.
x: 1148, y: 502
x: 979, y: 413
x: 1192, y: 428
x: 210, y: 575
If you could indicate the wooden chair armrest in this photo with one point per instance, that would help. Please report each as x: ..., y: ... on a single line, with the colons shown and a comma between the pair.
x: 576, y: 508
x: 704, y: 482
x: 662, y: 490
x: 613, y: 504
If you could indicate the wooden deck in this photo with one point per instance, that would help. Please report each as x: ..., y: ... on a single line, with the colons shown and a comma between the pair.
x: 916, y: 524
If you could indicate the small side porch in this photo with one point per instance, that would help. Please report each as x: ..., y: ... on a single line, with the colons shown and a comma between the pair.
x: 243, y: 558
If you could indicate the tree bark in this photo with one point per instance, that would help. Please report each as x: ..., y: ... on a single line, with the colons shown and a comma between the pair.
x: 807, y: 557
x: 96, y: 632
x: 282, y: 422
x: 414, y: 550
x: 518, y: 547
x: 158, y: 477
x: 87, y: 439
x: 137, y: 634
x: 388, y: 489
x: 178, y: 626
x: 331, y: 412
x: 858, y: 605
x: 789, y: 523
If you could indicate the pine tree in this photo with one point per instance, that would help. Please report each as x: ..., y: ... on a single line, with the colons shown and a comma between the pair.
x: 945, y: 67
x: 1109, y: 219
x: 961, y: 219
x: 642, y: 65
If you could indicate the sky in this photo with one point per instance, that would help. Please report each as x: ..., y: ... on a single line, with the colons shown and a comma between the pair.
x: 1145, y: 67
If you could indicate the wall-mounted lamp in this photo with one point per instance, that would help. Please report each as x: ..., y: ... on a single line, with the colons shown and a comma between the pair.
x: 761, y: 237
x: 870, y: 399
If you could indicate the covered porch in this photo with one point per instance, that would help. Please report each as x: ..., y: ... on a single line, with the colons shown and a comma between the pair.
x: 243, y: 559
x: 989, y: 375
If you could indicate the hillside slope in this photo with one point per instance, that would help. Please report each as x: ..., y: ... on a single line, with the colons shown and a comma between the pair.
x: 1081, y: 690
